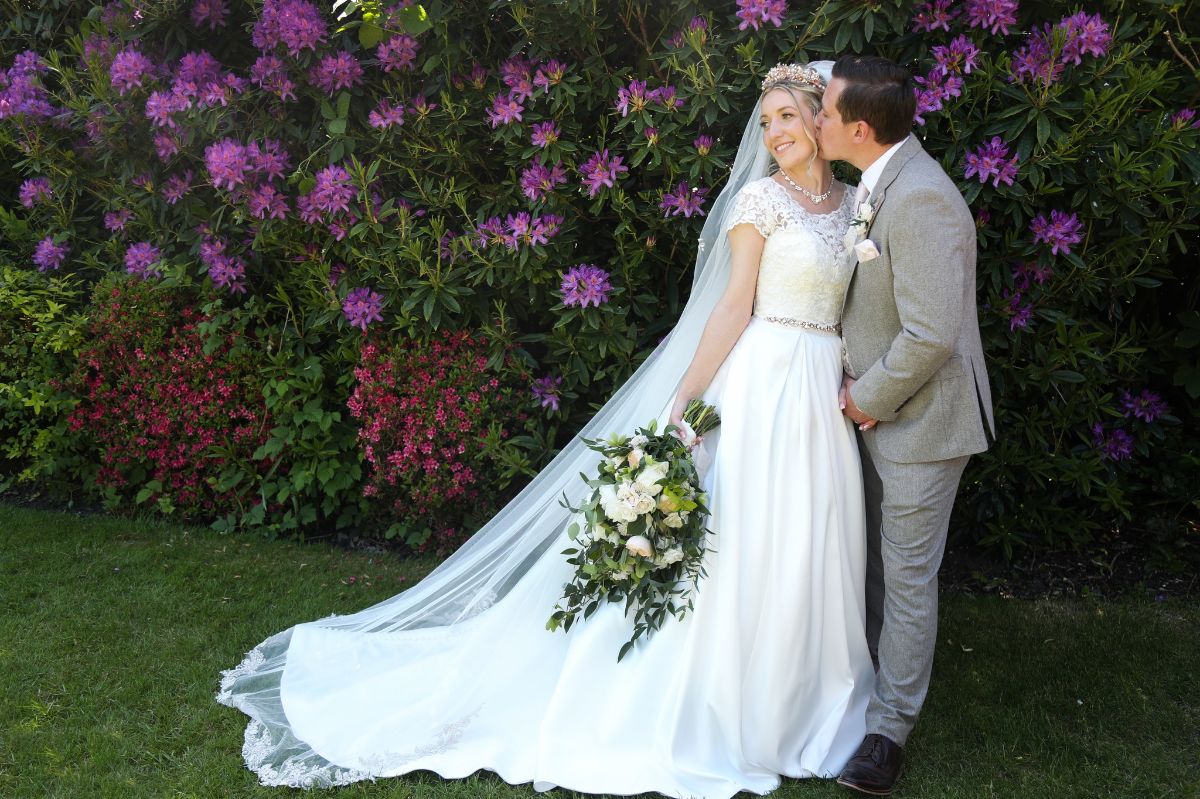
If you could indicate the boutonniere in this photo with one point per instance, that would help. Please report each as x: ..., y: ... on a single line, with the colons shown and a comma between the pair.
x: 866, y: 251
x: 862, y: 218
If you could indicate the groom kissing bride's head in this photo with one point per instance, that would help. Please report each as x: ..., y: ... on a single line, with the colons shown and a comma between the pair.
x: 868, y: 106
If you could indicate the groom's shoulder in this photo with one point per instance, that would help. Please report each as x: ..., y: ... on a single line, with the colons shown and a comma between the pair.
x: 924, y: 175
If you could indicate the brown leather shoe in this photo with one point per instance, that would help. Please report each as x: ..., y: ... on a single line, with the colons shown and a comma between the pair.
x: 875, y: 767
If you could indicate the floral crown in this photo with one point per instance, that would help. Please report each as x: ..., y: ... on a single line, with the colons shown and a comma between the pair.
x: 782, y: 74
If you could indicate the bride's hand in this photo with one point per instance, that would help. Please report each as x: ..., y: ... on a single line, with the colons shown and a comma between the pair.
x: 677, y: 411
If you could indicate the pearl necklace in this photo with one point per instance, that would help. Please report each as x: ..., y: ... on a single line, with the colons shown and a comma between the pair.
x: 816, y: 199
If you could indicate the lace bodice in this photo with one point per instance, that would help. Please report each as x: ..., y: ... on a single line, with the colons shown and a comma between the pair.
x: 805, y: 266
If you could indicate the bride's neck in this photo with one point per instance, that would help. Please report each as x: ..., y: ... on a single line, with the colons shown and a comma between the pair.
x: 816, y: 182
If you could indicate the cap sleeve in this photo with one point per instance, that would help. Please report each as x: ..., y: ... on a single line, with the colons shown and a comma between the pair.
x: 752, y: 206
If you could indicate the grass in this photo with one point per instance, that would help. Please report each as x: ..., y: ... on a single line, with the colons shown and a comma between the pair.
x: 112, y: 634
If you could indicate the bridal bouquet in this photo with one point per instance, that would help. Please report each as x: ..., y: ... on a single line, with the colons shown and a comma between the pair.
x: 643, y: 540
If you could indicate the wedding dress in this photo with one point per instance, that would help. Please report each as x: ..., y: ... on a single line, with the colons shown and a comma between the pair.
x: 769, y: 674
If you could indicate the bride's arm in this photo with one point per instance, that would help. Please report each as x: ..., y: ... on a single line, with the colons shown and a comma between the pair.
x: 728, y: 318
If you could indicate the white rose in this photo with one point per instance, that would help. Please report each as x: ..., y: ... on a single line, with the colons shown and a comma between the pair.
x: 650, y: 489
x: 645, y: 503
x: 614, y: 505
x: 672, y: 555
x: 616, y: 462
x: 653, y: 473
x: 635, y: 457
x: 667, y: 504
x: 638, y: 441
x: 673, y: 520
x: 640, y: 545
x: 620, y: 576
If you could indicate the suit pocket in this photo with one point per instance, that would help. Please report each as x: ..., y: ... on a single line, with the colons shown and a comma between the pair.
x: 952, y: 368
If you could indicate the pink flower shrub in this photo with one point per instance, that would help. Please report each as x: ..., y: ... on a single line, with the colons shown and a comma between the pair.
x: 424, y: 413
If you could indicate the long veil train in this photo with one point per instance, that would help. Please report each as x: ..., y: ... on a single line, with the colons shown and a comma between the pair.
x: 496, y: 558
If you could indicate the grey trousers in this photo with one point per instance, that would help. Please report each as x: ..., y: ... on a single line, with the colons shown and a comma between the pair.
x: 908, y: 514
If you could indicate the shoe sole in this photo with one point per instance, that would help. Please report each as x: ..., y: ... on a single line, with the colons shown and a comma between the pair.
x: 852, y: 786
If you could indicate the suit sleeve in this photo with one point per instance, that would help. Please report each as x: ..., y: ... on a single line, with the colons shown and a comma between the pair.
x: 929, y: 252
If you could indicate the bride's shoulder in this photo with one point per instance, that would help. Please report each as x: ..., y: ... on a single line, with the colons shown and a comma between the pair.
x: 757, y: 188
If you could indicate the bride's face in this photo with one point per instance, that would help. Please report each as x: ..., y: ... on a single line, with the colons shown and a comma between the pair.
x: 787, y: 124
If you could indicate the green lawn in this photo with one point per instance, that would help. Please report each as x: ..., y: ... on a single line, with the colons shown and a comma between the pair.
x: 112, y: 634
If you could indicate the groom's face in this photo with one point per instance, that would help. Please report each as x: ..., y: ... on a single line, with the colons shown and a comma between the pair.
x: 833, y: 134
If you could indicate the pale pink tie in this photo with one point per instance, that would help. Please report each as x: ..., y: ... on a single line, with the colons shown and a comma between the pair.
x: 860, y: 195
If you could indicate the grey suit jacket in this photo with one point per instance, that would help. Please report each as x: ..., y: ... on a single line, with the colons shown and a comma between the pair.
x: 910, y: 325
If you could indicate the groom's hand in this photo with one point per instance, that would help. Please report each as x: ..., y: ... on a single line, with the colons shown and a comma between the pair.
x: 855, y: 414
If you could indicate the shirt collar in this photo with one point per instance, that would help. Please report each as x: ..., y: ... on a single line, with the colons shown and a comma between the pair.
x: 871, y: 174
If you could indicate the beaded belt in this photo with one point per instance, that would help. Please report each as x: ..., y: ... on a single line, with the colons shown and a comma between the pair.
x: 804, y: 323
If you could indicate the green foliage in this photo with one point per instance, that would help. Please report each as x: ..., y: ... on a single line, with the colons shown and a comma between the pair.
x: 433, y: 221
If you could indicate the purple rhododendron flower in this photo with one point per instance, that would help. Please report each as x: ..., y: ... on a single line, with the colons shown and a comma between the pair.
x: 266, y: 202
x: 991, y: 161
x: 938, y: 87
x: 600, y: 170
x: 128, y: 69
x: 117, y: 220
x: 1183, y: 118
x: 545, y: 391
x: 683, y: 200
x: 296, y: 24
x: 993, y: 15
x: 1079, y: 34
x: 928, y: 17
x: 632, y: 97
x: 333, y: 191
x: 176, y: 186
x: 225, y: 271
x: 228, y: 163
x: 269, y: 159
x: 35, y: 190
x: 336, y: 71
x: 161, y: 106
x: 703, y: 144
x: 958, y: 58
x: 549, y: 74
x: 209, y: 12
x: 544, y: 134
x: 505, y: 110
x: 1061, y: 231
x: 1146, y: 405
x: 420, y: 106
x: 665, y: 96
x: 1116, y: 445
x: 140, y: 260
x: 537, y: 181
x: 1084, y: 34
x: 165, y: 145
x: 48, y: 255
x: 20, y: 91
x: 361, y: 307
x: 385, y: 115
x: 754, y: 13
x: 697, y: 25
x: 269, y: 74
x: 584, y: 285
x: 398, y: 53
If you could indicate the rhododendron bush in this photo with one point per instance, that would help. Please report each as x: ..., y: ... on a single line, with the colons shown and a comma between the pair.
x: 352, y: 185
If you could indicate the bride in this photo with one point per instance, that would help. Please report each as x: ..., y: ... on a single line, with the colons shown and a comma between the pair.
x: 769, y: 675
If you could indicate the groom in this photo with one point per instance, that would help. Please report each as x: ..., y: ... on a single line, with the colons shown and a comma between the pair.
x: 915, y: 383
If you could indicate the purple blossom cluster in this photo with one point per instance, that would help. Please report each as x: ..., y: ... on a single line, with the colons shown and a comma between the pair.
x: 176, y: 186
x: 212, y: 13
x: 957, y: 58
x: 361, y: 307
x: 1020, y: 311
x: 1038, y: 61
x: 1184, y: 118
x: 476, y: 78
x: 635, y: 97
x: 270, y: 74
x: 546, y: 391
x: 141, y: 259
x: 754, y: 13
x: 21, y: 93
x: 698, y: 27
x: 1061, y: 231
x: 517, y: 73
x: 993, y: 15
x: 336, y: 71
x: 296, y: 24
x: 683, y: 200
x: 115, y: 221
x: 48, y: 255
x: 703, y: 145
x: 266, y: 201
x: 34, y: 191
x: 386, y: 115
x: 420, y: 107
x: 329, y: 201
x: 549, y: 74
x: 537, y: 180
x: 991, y: 160
x: 584, y: 285
x: 600, y: 170
x: 1145, y: 405
x: 199, y: 80
x: 225, y: 271
x: 398, y: 53
x: 1114, y: 445
x: 518, y: 229
x: 544, y: 134
x: 228, y: 163
x: 165, y: 145
x: 933, y: 90
x: 129, y: 68
x: 928, y: 17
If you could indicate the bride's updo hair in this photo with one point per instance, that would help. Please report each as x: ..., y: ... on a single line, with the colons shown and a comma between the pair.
x: 805, y: 85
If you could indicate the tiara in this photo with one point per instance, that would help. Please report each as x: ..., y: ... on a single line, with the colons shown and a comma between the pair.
x: 792, y: 73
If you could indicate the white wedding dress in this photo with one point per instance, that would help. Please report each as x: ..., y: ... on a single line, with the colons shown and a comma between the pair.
x: 768, y: 676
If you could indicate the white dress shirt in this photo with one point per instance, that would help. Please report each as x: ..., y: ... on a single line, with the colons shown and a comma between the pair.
x: 870, y: 175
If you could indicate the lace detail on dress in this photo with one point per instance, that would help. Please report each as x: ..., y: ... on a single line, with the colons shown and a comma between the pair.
x: 768, y: 206
x: 445, y: 739
x: 294, y: 772
x: 250, y: 665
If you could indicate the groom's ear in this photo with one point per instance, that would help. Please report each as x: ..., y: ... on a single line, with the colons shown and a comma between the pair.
x: 862, y: 133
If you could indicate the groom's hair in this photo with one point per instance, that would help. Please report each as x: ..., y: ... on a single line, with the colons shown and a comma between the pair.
x: 879, y: 92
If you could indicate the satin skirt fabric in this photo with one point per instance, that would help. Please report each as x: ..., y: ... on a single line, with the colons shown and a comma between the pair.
x: 768, y: 676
